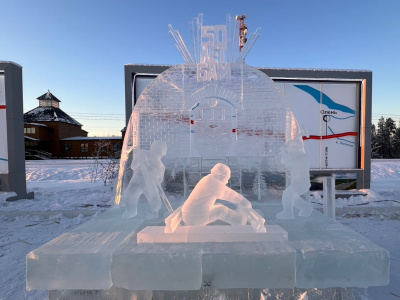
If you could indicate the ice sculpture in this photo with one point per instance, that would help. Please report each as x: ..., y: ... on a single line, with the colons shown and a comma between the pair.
x: 213, y: 108
x: 148, y: 173
x: 297, y: 191
x: 201, y: 208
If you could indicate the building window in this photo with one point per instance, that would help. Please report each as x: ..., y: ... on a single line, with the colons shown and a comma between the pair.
x: 31, y: 143
x: 85, y: 147
x: 45, y: 103
x: 30, y: 130
x: 68, y: 148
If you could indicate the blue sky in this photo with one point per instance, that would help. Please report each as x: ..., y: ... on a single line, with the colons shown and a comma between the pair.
x: 78, y: 48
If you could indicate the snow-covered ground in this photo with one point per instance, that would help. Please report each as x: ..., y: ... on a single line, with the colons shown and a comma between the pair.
x: 62, y: 186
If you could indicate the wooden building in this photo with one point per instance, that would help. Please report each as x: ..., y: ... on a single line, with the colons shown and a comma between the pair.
x: 52, y: 133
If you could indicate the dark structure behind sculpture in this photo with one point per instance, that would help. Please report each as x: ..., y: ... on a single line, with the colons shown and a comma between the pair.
x: 12, y: 172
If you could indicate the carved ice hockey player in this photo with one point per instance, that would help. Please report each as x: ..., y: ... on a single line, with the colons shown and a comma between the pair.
x: 148, y: 173
x: 297, y: 192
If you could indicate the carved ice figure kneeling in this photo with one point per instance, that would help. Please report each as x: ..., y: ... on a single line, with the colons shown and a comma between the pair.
x: 148, y: 173
x: 297, y: 192
x: 201, y: 208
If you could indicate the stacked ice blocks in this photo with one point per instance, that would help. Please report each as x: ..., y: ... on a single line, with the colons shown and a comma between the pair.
x: 332, y: 255
x: 104, y: 252
x: 81, y: 258
x: 186, y: 266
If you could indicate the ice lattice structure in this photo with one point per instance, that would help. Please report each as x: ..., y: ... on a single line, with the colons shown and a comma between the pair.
x: 214, y: 108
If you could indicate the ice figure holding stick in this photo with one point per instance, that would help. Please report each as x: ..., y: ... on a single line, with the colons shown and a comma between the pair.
x: 200, y: 208
x: 297, y: 192
x: 148, y: 173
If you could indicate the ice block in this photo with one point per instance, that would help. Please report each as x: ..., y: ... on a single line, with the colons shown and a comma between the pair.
x: 330, y: 254
x: 188, y: 266
x: 157, y: 266
x: 249, y: 265
x: 212, y: 233
x: 80, y: 259
x: 339, y: 257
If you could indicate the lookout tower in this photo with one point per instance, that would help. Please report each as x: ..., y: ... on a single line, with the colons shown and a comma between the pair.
x: 48, y: 100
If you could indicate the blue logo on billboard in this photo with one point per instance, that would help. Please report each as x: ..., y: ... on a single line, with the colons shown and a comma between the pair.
x: 316, y: 94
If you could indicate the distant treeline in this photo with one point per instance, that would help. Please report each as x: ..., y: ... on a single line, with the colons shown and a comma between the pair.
x: 385, y: 139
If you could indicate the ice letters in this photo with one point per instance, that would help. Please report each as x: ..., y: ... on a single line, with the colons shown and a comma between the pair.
x: 148, y: 173
x: 201, y: 209
x: 212, y: 109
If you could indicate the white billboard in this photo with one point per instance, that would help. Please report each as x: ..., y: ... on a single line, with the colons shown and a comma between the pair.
x: 328, y: 111
x: 3, y: 129
x: 329, y: 114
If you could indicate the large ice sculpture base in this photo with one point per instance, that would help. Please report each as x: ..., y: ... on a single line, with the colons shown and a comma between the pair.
x: 209, y: 234
x: 188, y: 266
x: 104, y: 253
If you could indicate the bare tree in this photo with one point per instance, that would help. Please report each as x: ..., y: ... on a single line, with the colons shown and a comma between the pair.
x: 105, y: 165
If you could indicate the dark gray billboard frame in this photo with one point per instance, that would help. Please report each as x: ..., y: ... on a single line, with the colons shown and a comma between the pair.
x: 363, y: 172
x: 15, y: 180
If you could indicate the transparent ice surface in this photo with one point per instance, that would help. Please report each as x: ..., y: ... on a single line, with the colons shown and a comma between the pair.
x: 180, y: 44
x: 148, y: 173
x: 243, y: 125
x: 104, y: 252
x: 201, y: 208
x: 296, y: 193
x: 177, y: 266
x: 81, y: 258
x: 211, y: 234
x: 214, y: 110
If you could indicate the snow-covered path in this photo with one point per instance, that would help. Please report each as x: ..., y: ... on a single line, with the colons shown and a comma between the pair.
x: 61, y: 185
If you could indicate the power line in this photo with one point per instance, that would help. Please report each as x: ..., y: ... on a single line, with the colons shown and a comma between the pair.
x: 107, y: 114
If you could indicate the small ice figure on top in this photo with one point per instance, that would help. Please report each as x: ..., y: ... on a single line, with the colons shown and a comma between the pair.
x: 201, y: 208
x: 297, y: 192
x: 148, y: 173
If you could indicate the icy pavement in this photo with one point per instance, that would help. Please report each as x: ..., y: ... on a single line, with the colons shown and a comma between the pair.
x: 383, y: 230
x: 64, y: 185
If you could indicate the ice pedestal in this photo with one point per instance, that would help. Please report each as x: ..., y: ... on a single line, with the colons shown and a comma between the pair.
x: 188, y: 266
x: 249, y: 265
x: 205, y: 293
x: 216, y: 233
x: 216, y: 256
x: 157, y: 266
x: 111, y: 294
x: 104, y: 252
x: 81, y: 258
x: 337, y: 256
x: 330, y: 254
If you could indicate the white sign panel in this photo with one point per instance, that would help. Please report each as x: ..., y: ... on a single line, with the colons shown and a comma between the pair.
x: 139, y: 85
x: 3, y: 129
x: 329, y: 113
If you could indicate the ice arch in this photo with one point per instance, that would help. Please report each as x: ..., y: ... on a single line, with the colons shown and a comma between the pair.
x: 243, y: 106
